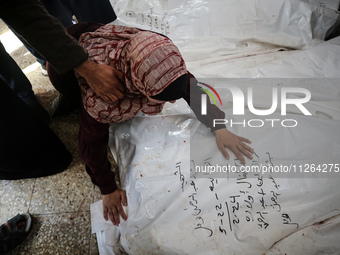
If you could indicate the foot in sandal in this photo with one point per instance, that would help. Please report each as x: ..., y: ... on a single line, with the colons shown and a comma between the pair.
x: 14, y: 232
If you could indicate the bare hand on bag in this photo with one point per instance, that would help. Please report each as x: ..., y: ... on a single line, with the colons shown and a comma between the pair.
x: 225, y: 138
x: 112, y: 205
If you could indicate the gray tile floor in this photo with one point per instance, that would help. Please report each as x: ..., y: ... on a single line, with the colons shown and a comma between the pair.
x: 60, y: 204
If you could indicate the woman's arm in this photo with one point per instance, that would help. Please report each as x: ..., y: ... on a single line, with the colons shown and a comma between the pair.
x: 224, y: 138
x: 93, y: 143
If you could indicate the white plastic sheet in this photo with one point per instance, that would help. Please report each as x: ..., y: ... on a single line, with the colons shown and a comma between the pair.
x: 289, y: 23
x: 172, y: 213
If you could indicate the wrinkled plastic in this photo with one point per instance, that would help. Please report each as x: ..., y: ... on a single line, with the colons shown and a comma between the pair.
x: 170, y: 212
x: 289, y: 23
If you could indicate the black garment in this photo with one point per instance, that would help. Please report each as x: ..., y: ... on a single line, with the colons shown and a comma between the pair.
x: 176, y: 90
x: 84, y: 10
x: 12, y: 75
x: 28, y: 147
x: 40, y: 59
x: 43, y: 32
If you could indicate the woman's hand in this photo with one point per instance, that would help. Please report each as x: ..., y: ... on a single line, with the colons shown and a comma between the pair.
x: 112, y: 205
x: 236, y: 144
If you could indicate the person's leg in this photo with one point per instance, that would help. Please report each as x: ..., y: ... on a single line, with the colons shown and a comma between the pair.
x: 28, y: 147
x: 98, y: 11
x: 69, y: 92
x: 40, y: 59
x: 12, y: 75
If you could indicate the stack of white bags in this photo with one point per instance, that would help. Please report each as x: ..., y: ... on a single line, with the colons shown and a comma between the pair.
x: 241, y: 43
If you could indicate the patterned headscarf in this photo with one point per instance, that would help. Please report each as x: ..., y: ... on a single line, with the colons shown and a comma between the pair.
x: 149, y: 61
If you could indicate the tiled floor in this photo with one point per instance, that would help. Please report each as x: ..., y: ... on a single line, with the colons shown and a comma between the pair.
x: 60, y: 204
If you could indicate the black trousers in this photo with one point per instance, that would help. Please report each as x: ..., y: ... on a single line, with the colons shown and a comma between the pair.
x: 11, y: 73
x: 28, y: 147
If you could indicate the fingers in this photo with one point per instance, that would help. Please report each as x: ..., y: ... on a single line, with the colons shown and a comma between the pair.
x: 124, y: 202
x: 222, y: 149
x: 108, y: 100
x: 119, y: 74
x: 244, y: 139
x: 239, y: 155
x: 105, y: 210
x: 113, y: 98
x: 236, y: 144
x: 112, y: 206
x: 247, y: 150
x: 120, y: 88
x: 118, y: 92
x: 241, y: 148
x: 121, y: 212
x: 109, y: 214
x: 114, y: 216
x: 115, y: 94
x: 123, y: 197
x: 110, y: 86
x: 112, y: 213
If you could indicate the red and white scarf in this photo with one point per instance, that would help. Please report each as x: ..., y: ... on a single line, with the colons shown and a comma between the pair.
x: 149, y: 61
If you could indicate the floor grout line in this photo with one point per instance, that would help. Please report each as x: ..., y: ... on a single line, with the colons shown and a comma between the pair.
x: 58, y: 213
x: 30, y: 203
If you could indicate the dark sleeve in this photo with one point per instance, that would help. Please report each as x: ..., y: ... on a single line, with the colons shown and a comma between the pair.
x: 78, y: 29
x: 43, y: 32
x: 93, y: 142
x: 193, y: 98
